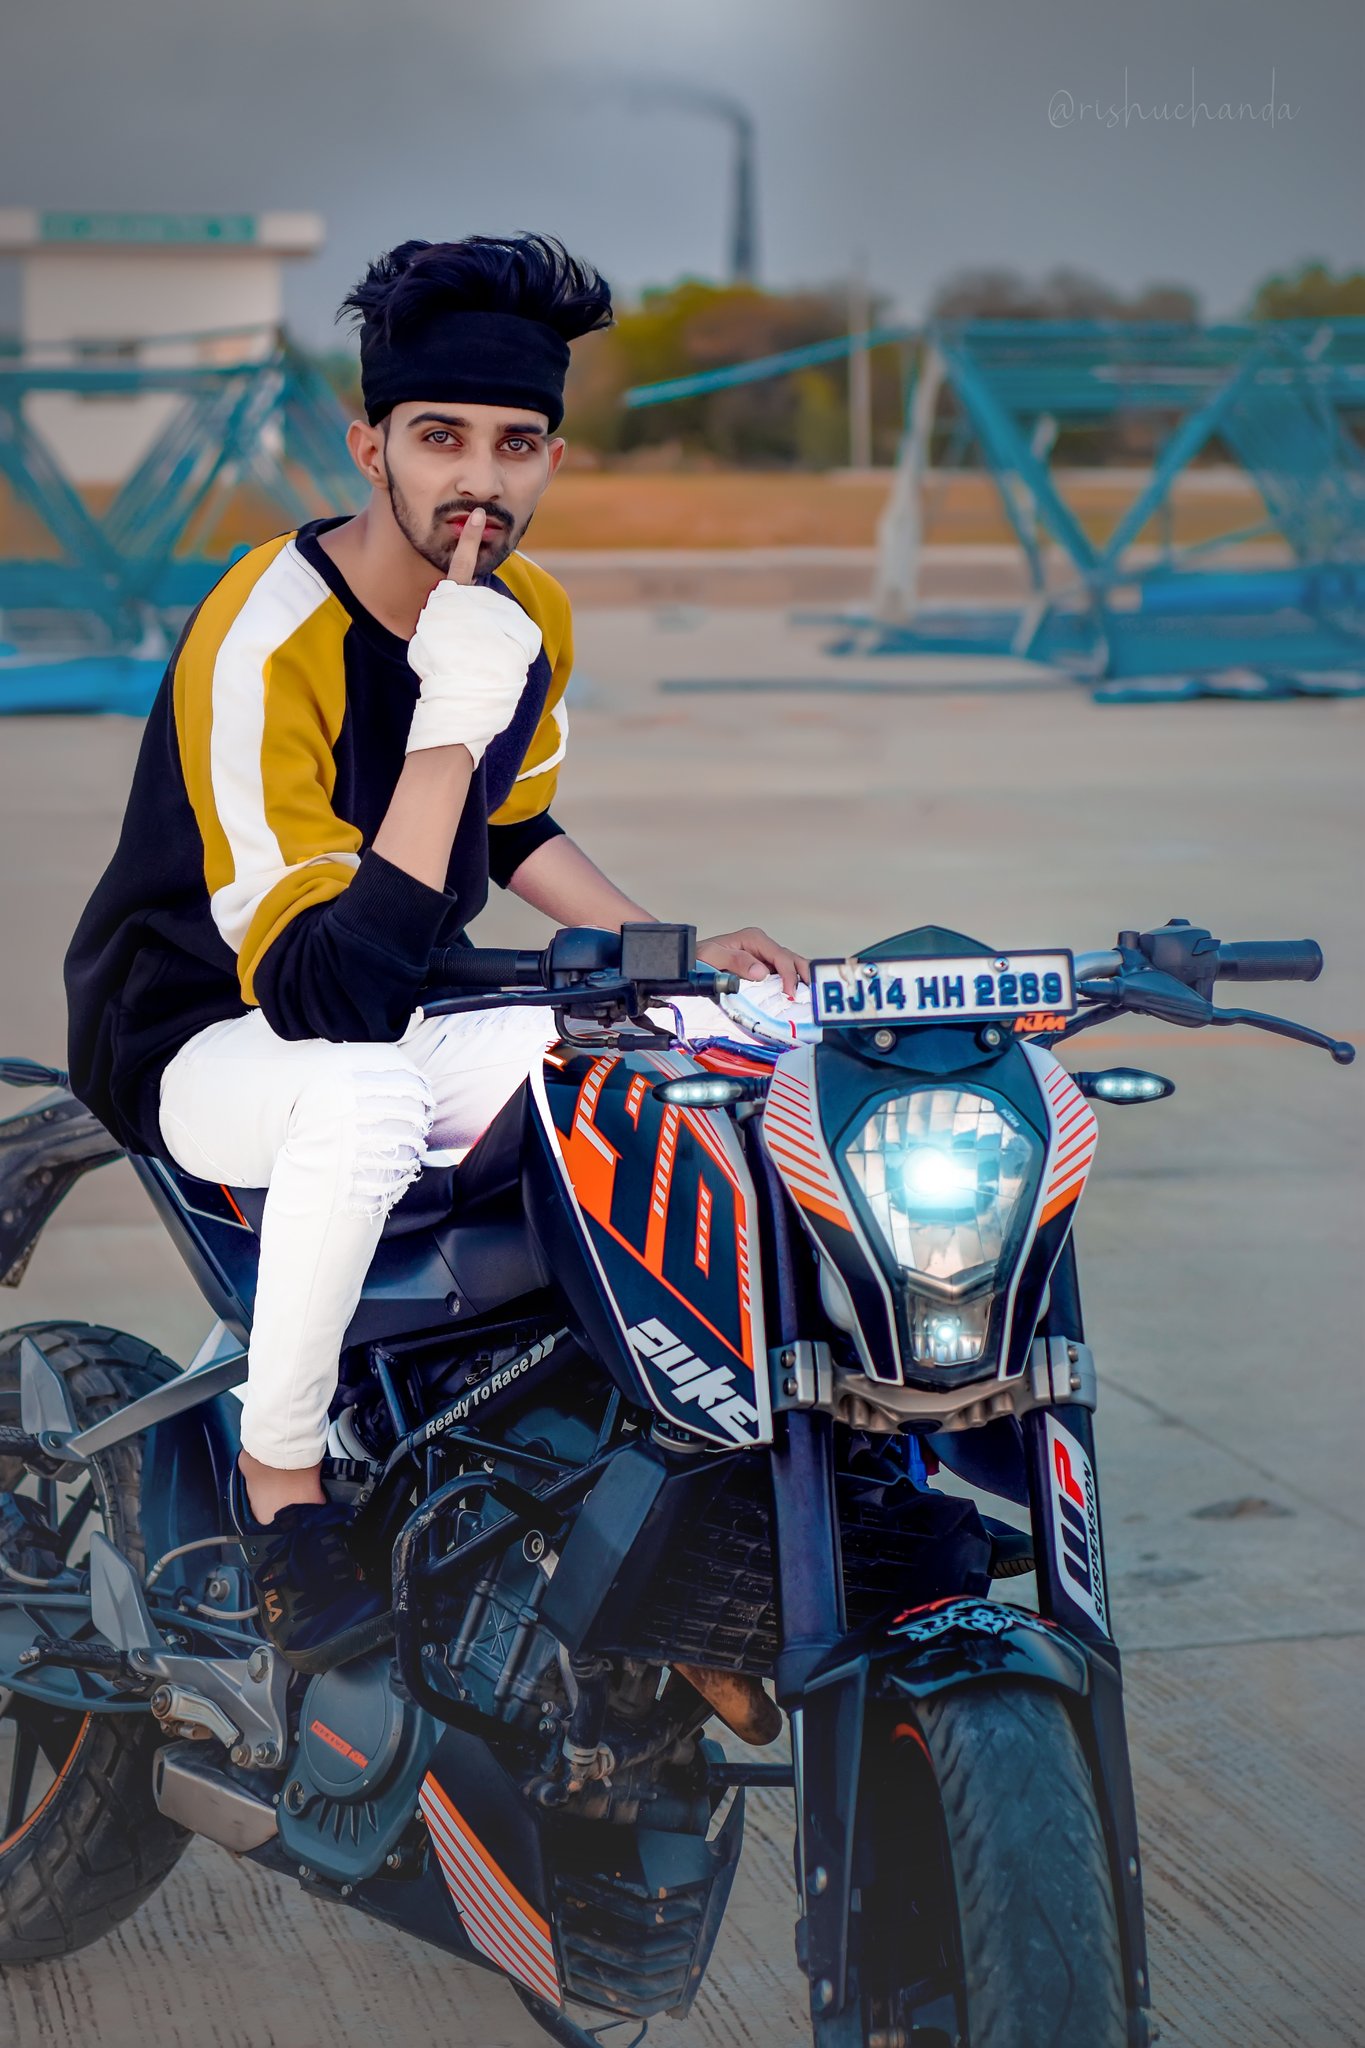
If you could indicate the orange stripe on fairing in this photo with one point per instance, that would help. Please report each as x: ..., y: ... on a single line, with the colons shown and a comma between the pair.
x: 814, y: 1200
x: 635, y: 1095
x: 590, y: 1160
x: 801, y: 1175
x: 699, y: 1123
x: 1085, y: 1143
x: 746, y: 1354
x: 664, y: 1158
x: 503, y: 1881
x: 488, y: 1919
x: 778, y: 1131
x: 1060, y: 1202
x: 497, y: 1917
x: 796, y: 1134
x: 702, y: 1253
x: 488, y: 1908
x: 810, y: 1185
x: 233, y: 1206
x: 815, y: 1206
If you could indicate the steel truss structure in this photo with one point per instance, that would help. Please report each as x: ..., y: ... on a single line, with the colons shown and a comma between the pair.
x: 111, y: 587
x: 1280, y: 400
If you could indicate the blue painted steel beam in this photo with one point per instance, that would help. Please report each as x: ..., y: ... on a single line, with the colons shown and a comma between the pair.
x: 274, y: 421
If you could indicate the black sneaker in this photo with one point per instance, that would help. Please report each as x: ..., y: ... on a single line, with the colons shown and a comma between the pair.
x: 316, y: 1604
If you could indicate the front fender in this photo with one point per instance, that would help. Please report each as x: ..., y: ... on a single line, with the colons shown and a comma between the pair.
x: 960, y: 1641
x: 927, y: 1650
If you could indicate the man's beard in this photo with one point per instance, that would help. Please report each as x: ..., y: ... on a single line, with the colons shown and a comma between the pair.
x: 438, y: 544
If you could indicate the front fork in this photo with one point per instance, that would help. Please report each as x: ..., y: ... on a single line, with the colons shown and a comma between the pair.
x: 827, y: 1719
x: 1073, y: 1590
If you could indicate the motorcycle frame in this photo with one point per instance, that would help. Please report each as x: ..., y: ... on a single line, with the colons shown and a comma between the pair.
x: 824, y: 1676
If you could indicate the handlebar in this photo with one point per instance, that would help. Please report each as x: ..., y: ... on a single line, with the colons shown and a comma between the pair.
x: 1167, y: 972
x: 1270, y: 960
x: 485, y: 967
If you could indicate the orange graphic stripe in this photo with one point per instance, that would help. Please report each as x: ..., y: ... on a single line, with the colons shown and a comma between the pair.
x: 489, y: 1862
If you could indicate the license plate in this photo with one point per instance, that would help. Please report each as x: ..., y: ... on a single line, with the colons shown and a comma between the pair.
x: 942, y: 991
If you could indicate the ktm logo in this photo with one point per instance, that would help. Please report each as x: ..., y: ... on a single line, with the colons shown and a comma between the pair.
x: 337, y: 1742
x: 690, y: 1379
x: 1039, y: 1020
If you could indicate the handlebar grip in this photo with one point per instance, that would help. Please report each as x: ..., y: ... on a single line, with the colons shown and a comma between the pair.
x: 483, y: 967
x: 1270, y: 960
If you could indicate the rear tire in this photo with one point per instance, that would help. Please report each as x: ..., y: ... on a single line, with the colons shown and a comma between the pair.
x: 1036, y: 1939
x: 90, y: 1847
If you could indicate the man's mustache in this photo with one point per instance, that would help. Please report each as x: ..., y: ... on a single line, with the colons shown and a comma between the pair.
x: 458, y: 505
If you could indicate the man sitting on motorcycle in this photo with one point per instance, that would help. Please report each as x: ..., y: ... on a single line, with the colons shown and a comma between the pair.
x: 363, y: 722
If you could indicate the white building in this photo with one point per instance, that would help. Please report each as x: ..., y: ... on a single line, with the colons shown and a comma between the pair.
x: 152, y: 288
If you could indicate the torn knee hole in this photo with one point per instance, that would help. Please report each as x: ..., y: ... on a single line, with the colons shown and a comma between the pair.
x: 392, y: 1120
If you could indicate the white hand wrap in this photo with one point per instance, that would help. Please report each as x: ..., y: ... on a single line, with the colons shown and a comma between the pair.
x: 472, y: 649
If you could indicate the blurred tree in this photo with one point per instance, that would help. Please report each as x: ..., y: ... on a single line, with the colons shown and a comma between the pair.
x: 1062, y: 295
x: 797, y: 420
x: 341, y: 368
x: 1312, y: 293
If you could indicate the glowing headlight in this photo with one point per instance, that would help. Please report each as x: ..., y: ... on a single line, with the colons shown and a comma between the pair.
x: 945, y: 1174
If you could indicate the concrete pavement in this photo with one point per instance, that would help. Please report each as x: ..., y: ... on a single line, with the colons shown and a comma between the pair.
x: 1220, y: 1243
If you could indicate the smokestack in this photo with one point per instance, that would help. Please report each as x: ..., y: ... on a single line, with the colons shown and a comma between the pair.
x: 718, y: 106
x: 744, y: 237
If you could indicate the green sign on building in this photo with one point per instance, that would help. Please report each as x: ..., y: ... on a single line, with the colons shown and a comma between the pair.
x: 203, y: 229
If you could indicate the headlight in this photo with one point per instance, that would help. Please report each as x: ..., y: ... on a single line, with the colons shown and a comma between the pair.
x: 946, y: 1175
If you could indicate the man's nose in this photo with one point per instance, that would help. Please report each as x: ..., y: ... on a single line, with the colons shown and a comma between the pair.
x: 479, y: 475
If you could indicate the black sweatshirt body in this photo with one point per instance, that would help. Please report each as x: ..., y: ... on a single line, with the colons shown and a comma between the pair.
x: 243, y: 874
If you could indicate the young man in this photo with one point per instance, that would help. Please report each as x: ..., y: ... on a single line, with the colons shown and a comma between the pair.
x: 362, y: 723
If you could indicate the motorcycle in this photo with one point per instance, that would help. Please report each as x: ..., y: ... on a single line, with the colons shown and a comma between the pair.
x: 640, y: 1406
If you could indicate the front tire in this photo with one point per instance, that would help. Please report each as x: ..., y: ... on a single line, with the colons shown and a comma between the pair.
x: 82, y: 1843
x: 1035, y: 1949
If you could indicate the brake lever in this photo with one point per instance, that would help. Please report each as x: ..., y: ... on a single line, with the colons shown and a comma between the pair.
x: 1150, y: 993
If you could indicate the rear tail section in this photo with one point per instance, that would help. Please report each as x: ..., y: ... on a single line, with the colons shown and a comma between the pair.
x: 44, y: 1150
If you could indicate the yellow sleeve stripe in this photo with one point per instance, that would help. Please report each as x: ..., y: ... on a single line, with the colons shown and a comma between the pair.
x: 193, y: 697
x: 544, y: 597
x: 548, y: 603
x: 318, y: 883
x: 260, y: 700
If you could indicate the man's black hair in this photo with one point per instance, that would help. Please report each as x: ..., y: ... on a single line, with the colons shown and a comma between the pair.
x: 533, y: 276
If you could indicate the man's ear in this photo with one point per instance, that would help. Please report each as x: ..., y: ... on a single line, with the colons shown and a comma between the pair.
x: 555, y: 448
x: 366, y: 445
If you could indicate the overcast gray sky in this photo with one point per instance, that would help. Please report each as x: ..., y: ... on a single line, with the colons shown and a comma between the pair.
x: 935, y: 134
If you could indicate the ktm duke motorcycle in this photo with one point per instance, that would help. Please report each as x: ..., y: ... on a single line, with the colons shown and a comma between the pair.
x: 640, y: 1406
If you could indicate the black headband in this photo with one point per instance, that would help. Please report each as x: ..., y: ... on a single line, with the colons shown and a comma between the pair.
x: 482, y: 358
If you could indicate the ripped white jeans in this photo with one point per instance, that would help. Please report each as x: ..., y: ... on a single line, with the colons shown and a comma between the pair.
x: 335, y: 1132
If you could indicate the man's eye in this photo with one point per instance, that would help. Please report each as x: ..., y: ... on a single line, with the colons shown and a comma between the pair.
x: 439, y: 434
x: 518, y: 442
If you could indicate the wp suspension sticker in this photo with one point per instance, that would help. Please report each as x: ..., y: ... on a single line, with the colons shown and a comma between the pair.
x: 1076, y: 1523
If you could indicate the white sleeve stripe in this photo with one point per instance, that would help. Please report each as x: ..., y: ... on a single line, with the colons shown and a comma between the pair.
x: 235, y: 904
x: 287, y: 594
x: 560, y: 714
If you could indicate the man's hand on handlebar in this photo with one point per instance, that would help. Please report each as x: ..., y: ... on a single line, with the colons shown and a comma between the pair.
x: 751, y: 954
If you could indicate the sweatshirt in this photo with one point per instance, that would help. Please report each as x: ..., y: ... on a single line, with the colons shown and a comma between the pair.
x: 244, y: 874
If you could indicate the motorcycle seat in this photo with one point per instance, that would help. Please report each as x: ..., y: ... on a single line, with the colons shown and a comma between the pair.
x: 490, y: 1170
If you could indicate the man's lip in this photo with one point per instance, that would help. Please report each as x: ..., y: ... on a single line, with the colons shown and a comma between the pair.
x: 461, y: 517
